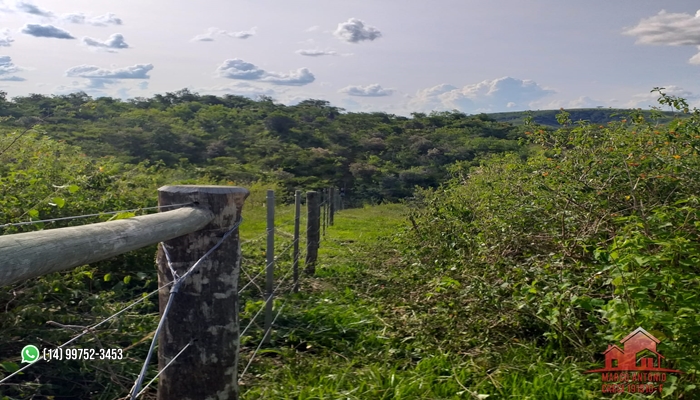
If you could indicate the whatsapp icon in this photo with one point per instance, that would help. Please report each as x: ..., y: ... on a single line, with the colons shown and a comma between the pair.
x: 30, y: 354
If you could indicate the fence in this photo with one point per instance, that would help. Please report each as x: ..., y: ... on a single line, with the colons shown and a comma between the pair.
x: 199, y: 263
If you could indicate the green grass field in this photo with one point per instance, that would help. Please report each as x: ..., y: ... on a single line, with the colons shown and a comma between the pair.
x: 338, y: 338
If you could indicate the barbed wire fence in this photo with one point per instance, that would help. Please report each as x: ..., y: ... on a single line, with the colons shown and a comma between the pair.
x: 319, y: 215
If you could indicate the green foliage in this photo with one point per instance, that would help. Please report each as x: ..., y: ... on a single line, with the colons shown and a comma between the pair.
x: 572, y: 247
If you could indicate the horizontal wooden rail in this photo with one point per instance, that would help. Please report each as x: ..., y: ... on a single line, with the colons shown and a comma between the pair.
x: 32, y: 254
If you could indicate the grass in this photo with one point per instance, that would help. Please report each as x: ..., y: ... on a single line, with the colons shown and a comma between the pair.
x: 337, y: 337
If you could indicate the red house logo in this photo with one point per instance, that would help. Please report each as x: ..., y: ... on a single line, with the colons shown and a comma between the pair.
x: 638, y: 364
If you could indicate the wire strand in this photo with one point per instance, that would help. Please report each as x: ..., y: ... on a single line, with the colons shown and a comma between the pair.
x: 266, y: 266
x: 270, y: 297
x: 92, y: 215
x: 164, y: 368
x: 90, y: 329
x: 261, y: 341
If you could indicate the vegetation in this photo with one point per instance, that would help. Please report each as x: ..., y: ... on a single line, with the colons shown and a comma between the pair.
x: 509, y: 260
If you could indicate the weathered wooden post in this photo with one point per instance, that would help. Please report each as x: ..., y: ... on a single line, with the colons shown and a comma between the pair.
x: 312, y: 231
x: 297, y: 215
x: 270, y: 266
x: 205, y: 309
x: 331, y: 202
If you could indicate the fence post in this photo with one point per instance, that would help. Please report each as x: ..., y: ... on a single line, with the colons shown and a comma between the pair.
x: 270, y: 266
x: 324, y: 209
x: 312, y: 231
x: 204, y: 310
x: 331, y: 201
x: 297, y: 215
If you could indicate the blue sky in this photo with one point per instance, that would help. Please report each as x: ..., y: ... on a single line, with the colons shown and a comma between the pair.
x: 396, y: 56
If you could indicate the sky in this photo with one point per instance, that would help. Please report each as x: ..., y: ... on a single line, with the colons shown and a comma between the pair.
x: 395, y: 56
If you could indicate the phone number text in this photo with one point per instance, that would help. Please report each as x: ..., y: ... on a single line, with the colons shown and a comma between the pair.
x: 71, y: 353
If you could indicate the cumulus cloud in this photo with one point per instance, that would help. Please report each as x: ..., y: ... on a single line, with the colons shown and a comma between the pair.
x: 374, y: 90
x: 138, y: 71
x: 316, y: 53
x: 213, y: 32
x: 355, y: 31
x: 8, y: 68
x: 100, y: 20
x: 115, y: 41
x: 671, y: 29
x: 300, y: 77
x: 48, y: 31
x: 238, y: 69
x: 25, y: 7
x: 486, y: 96
x: 5, y: 38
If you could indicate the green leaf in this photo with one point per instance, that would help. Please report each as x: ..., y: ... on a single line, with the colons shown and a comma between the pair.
x: 73, y: 188
x: 141, y: 275
x: 127, y: 279
x: 33, y: 213
x: 108, y: 277
x: 9, y: 366
x: 59, y: 202
x: 617, y: 281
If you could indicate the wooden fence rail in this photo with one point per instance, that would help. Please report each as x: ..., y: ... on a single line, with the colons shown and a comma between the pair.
x: 205, y: 313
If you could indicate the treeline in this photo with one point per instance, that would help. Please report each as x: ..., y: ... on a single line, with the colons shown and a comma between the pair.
x: 595, y: 116
x: 375, y: 156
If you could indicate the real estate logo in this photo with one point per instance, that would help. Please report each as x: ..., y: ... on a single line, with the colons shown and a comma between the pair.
x: 637, y: 368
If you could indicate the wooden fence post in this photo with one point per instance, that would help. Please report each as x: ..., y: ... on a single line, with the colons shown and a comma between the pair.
x: 270, y: 266
x: 312, y: 231
x: 331, y: 201
x: 297, y: 216
x: 324, y: 209
x: 205, y: 308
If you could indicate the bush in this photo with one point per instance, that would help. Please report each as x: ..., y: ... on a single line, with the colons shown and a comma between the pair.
x: 575, y: 246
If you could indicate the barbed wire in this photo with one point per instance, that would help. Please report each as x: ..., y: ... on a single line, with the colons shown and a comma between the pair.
x: 176, y: 287
x: 164, y: 368
x: 93, y: 215
x: 270, y: 297
x: 267, y: 265
x: 267, y: 331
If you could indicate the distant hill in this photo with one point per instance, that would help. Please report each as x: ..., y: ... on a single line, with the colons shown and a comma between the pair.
x: 594, y: 115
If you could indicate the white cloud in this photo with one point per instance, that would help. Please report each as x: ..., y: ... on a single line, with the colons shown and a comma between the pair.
x: 115, y: 41
x: 671, y: 29
x: 581, y: 102
x: 313, y: 28
x: 300, y: 77
x: 138, y: 71
x: 48, y: 31
x: 355, y: 31
x: 374, y: 90
x: 316, y: 53
x: 25, y: 7
x: 100, y: 20
x: 8, y: 68
x: 241, y: 34
x: 486, y: 96
x: 238, y: 69
x: 5, y: 38
x: 213, y: 32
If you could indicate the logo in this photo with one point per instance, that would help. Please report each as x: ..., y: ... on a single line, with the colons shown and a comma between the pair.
x: 30, y: 354
x: 636, y: 368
